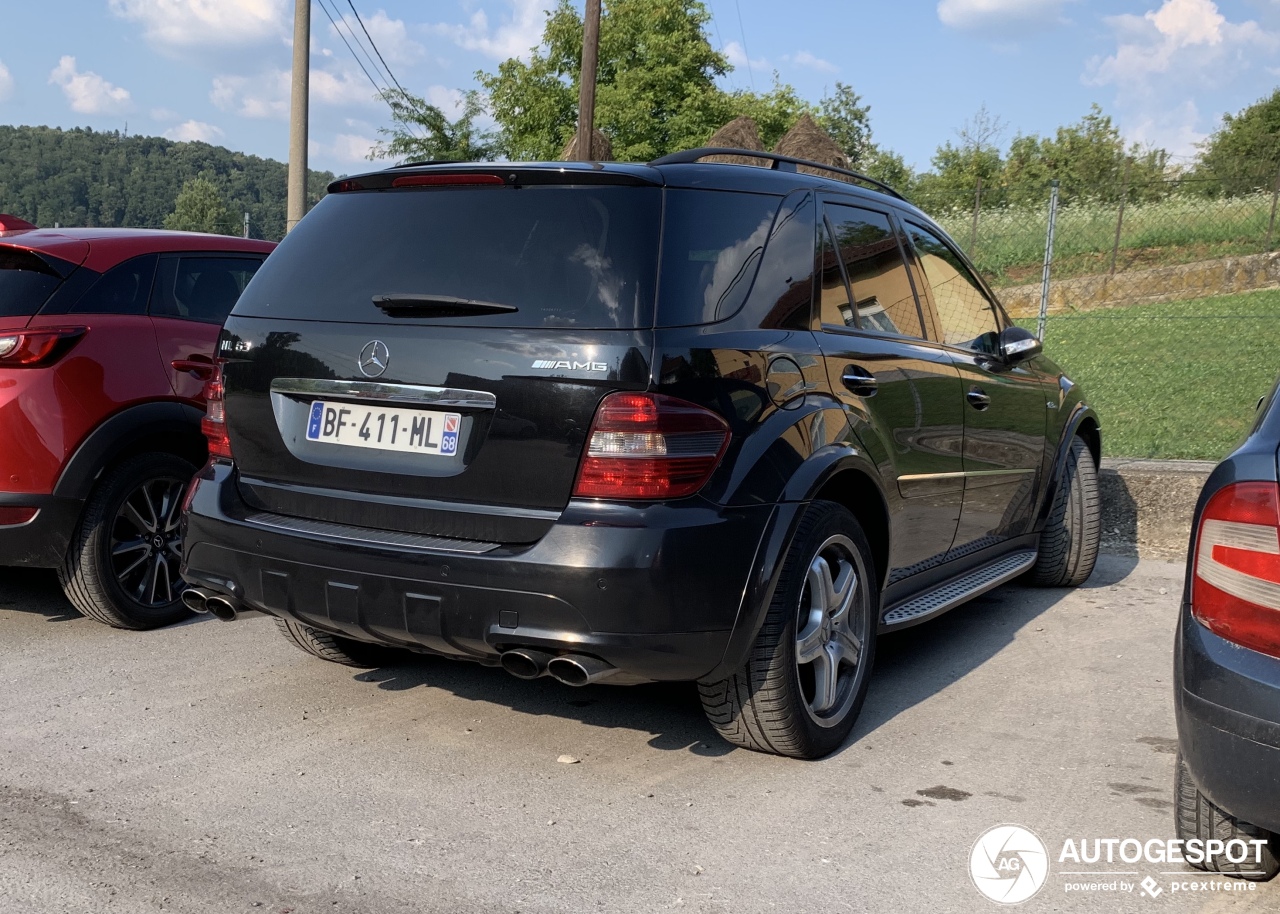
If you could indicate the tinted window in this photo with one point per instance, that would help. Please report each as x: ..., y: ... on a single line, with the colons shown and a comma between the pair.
x: 711, y: 248
x: 26, y: 282
x: 834, y: 306
x: 782, y: 295
x: 868, y: 247
x: 966, y: 315
x: 579, y: 257
x: 123, y: 289
x: 201, y: 288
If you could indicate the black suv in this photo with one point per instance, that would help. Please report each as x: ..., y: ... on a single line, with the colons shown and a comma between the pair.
x: 606, y: 422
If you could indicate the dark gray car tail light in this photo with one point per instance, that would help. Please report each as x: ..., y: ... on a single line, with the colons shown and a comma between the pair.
x: 650, y: 447
x: 1235, y: 591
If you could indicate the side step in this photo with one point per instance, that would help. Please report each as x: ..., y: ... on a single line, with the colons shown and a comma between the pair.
x: 960, y: 590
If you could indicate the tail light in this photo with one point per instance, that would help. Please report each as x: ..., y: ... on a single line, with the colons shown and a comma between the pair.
x: 649, y: 446
x: 214, y: 423
x: 37, y: 348
x: 1235, y: 591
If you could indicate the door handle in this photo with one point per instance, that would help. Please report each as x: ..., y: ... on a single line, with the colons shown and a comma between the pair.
x: 978, y: 398
x: 859, y: 381
x: 201, y: 370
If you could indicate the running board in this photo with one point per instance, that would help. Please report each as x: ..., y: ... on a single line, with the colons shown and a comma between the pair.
x: 960, y: 590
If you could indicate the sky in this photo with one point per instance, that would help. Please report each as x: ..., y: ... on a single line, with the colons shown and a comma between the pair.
x: 218, y: 70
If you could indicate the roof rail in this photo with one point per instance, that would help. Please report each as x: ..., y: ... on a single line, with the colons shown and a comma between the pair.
x: 780, y: 163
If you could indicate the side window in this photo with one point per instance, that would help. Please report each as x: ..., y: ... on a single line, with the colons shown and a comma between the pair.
x: 967, y: 316
x: 883, y: 298
x: 123, y: 289
x: 201, y: 288
x: 834, y: 305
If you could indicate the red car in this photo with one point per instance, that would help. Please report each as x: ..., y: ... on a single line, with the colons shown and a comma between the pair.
x: 106, y: 339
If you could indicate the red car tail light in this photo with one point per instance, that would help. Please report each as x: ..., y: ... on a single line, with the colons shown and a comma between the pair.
x: 12, y: 517
x: 650, y: 446
x: 1235, y: 591
x: 37, y: 348
x: 214, y: 423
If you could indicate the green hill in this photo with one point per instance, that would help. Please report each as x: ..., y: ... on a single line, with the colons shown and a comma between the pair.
x: 81, y: 177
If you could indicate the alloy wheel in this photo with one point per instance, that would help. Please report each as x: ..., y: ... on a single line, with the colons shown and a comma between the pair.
x: 832, y: 627
x: 146, y: 545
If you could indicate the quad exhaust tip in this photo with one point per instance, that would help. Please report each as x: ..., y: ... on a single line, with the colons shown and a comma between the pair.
x: 196, y: 600
x: 222, y: 608
x: 526, y: 662
x: 579, y: 669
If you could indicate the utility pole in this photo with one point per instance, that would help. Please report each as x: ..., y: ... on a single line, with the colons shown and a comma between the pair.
x: 297, y: 207
x: 587, y: 80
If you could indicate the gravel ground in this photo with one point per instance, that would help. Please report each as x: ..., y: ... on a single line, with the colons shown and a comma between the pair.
x: 213, y: 767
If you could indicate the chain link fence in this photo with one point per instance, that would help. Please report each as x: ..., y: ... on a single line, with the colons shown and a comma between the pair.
x: 1161, y: 298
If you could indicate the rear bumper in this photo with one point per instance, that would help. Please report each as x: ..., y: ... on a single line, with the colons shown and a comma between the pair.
x: 42, y: 541
x: 1228, y: 711
x: 653, y: 590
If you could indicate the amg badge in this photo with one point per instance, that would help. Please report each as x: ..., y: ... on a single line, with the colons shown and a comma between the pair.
x: 570, y: 366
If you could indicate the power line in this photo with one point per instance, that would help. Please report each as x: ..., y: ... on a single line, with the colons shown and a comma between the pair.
x: 380, y: 90
x: 745, y: 53
x: 375, y: 48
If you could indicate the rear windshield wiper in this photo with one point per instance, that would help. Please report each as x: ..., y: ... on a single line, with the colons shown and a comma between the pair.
x: 409, y: 305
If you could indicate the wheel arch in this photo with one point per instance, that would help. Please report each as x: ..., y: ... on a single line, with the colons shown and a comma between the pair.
x: 1083, y: 422
x: 167, y: 427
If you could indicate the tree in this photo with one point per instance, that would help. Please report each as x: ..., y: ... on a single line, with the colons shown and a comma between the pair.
x: 1244, y: 153
x: 422, y: 132
x: 957, y: 168
x: 849, y: 124
x: 1089, y: 159
x: 656, y: 88
x: 199, y: 208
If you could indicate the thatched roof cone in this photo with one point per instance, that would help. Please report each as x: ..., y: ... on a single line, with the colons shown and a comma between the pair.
x: 601, y: 148
x: 739, y: 133
x: 806, y: 140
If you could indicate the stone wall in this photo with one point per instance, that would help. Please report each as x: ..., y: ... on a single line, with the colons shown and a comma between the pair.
x: 1141, y: 287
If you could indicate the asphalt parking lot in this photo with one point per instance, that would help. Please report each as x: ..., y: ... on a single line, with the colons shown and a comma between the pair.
x: 213, y: 767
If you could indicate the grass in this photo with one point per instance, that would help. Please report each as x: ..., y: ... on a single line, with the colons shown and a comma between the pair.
x: 1176, y: 380
x: 1181, y: 229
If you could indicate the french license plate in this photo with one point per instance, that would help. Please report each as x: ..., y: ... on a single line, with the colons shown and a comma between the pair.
x: 417, y: 431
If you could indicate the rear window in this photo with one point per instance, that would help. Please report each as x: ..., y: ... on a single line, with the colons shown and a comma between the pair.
x: 26, y: 282
x: 565, y: 257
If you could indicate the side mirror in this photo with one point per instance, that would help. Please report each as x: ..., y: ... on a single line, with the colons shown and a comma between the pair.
x: 1018, y: 345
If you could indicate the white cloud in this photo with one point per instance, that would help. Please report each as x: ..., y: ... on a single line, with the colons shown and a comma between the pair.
x: 346, y: 148
x: 812, y: 61
x: 999, y: 14
x: 182, y: 26
x: 88, y: 92
x: 737, y: 57
x: 390, y: 35
x: 194, y: 131
x: 1167, y: 57
x: 263, y: 96
x: 515, y: 34
x: 344, y: 86
x: 6, y: 82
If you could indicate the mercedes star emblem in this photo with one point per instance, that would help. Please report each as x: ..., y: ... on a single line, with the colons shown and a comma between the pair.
x: 374, y: 358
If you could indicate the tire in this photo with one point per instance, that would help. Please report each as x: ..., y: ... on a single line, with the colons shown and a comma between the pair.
x: 121, y: 566
x: 1195, y: 816
x: 333, y: 648
x: 773, y: 702
x: 1069, y: 541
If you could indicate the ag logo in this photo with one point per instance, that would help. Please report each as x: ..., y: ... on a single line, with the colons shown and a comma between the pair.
x: 1009, y: 864
x: 373, y: 359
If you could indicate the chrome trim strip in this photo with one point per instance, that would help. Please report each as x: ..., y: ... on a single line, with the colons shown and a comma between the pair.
x: 366, y: 537
x: 385, y: 393
x: 921, y: 477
